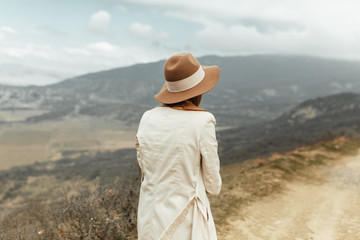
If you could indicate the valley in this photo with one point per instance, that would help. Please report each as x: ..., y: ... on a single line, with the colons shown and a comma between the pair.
x: 24, y: 143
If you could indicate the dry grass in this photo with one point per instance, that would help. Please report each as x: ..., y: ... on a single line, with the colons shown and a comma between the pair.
x: 110, y: 212
x: 253, y: 179
x: 107, y: 213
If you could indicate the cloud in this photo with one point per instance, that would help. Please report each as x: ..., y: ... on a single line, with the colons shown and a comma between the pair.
x: 141, y: 30
x: 103, y: 47
x: 100, y: 23
x: 77, y: 51
x: 5, y: 31
x: 146, y: 32
x: 50, y: 30
x: 227, y: 11
x: 17, y: 74
x: 100, y: 55
x: 29, y: 50
x: 75, y: 60
x: 8, y: 30
x: 97, y: 56
x: 15, y: 52
x: 247, y: 40
x: 269, y: 92
x: 236, y: 27
x: 121, y: 8
x: 225, y: 27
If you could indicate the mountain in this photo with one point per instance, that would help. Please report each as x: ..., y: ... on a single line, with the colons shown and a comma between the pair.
x: 251, y: 89
x: 16, y: 74
x: 310, y: 121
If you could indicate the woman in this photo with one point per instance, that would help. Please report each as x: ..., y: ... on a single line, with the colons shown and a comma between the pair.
x: 177, y: 153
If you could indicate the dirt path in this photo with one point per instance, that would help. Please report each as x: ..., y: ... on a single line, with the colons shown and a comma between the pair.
x: 323, y: 206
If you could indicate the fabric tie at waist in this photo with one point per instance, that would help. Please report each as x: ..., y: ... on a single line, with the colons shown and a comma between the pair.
x: 181, y: 216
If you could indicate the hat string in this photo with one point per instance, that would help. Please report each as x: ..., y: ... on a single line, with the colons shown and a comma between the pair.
x: 186, y: 83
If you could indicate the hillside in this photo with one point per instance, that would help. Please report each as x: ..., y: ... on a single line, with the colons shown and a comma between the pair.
x: 87, y: 210
x: 310, y: 121
x: 251, y: 89
x: 41, y: 181
x: 311, y: 192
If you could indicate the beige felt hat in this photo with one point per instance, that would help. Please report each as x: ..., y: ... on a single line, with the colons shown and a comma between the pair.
x: 186, y: 78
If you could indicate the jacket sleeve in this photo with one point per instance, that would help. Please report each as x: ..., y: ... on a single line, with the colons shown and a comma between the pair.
x: 138, y: 157
x: 210, y: 158
x: 138, y: 147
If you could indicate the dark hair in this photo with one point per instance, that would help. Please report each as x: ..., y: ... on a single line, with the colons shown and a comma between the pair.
x: 194, y: 100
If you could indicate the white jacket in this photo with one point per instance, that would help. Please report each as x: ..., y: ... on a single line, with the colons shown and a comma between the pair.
x: 177, y: 154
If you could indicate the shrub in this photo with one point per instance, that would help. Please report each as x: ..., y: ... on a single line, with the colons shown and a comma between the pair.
x: 109, y: 212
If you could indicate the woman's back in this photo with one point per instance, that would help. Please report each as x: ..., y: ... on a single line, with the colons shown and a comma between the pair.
x: 177, y: 153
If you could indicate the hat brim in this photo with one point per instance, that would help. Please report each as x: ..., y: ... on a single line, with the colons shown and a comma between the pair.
x: 212, y: 74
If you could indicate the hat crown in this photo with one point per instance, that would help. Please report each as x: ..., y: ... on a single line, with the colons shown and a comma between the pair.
x: 180, y: 66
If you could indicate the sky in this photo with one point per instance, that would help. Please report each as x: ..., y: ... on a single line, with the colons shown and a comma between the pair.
x: 42, y: 41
